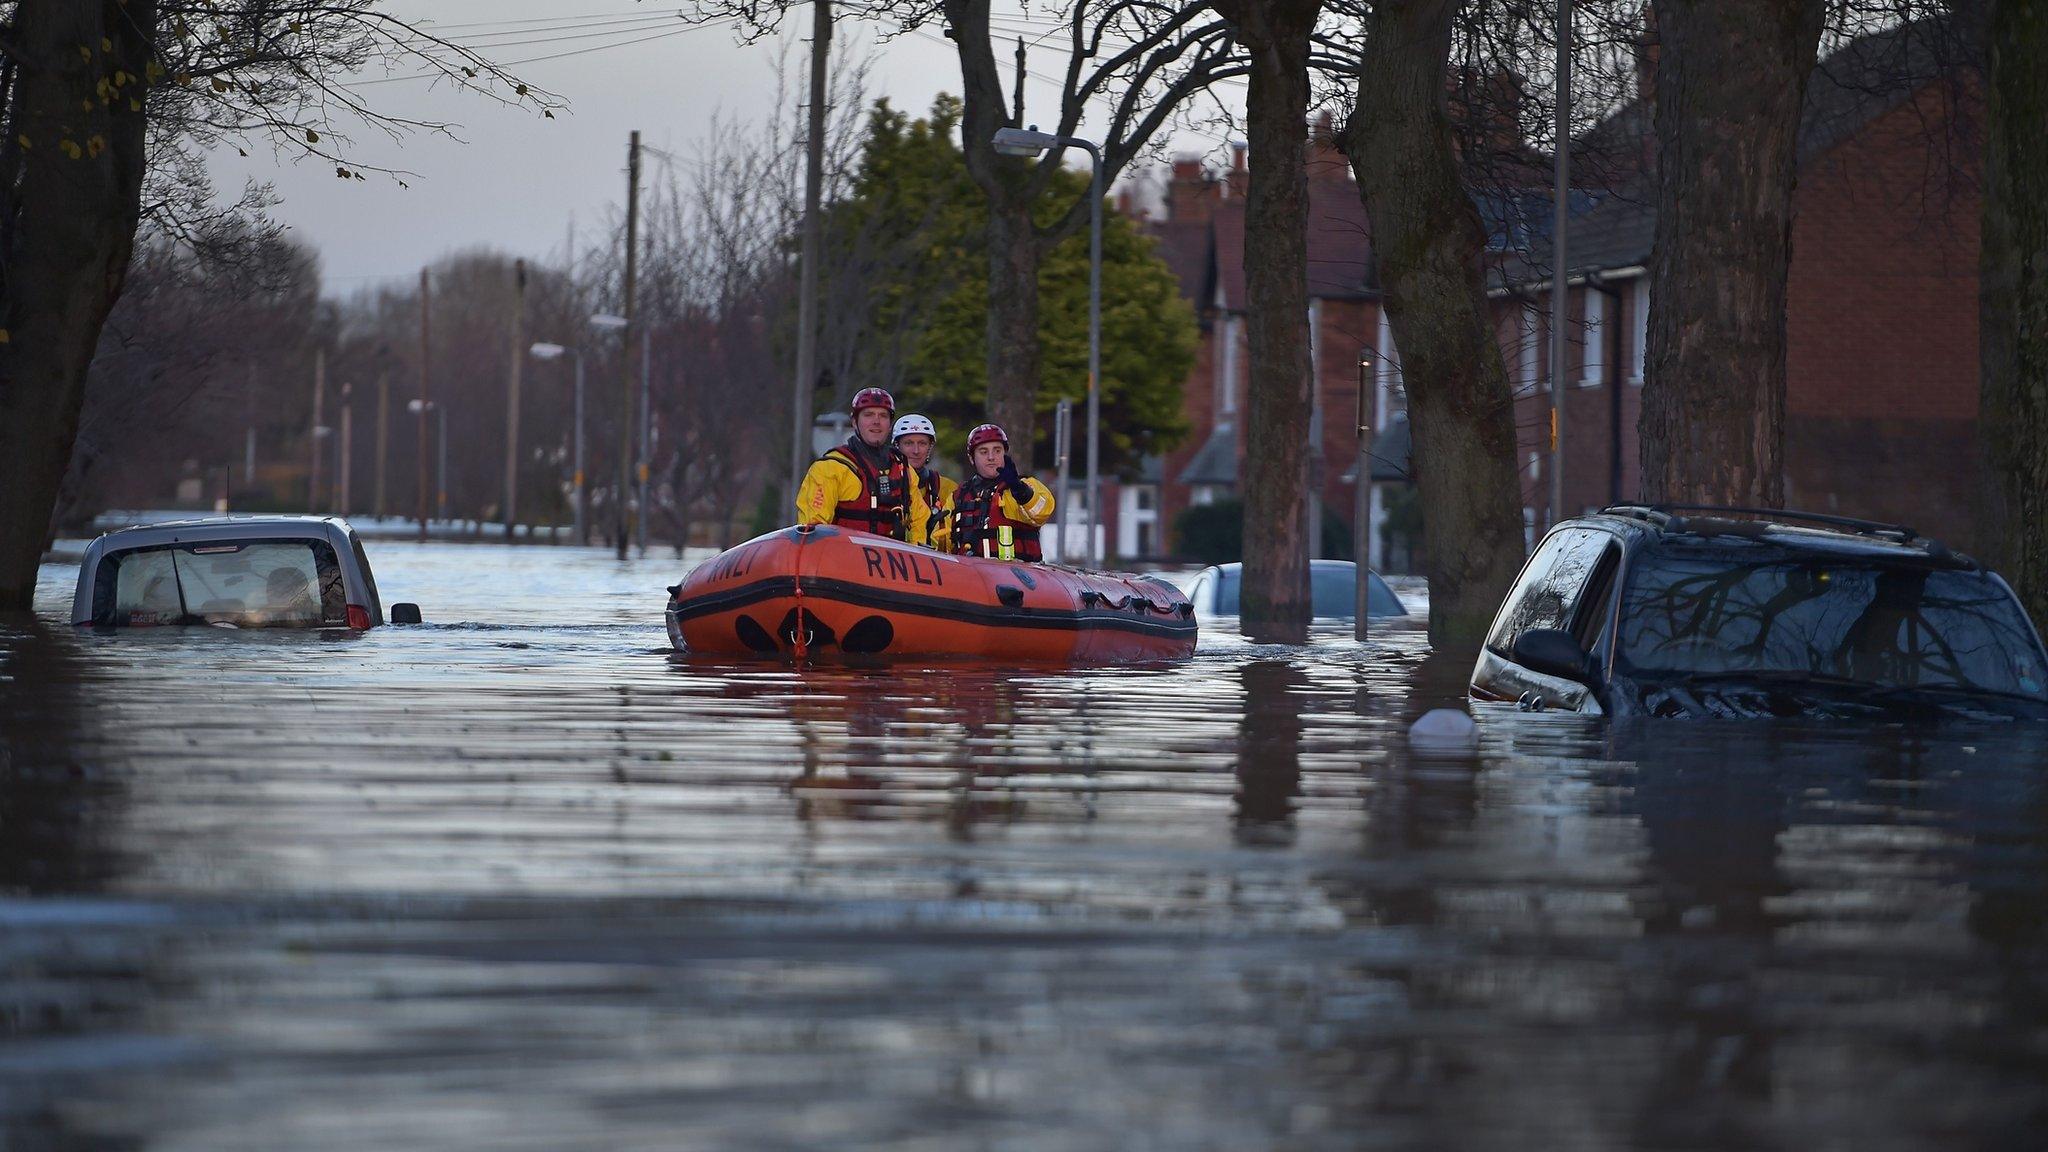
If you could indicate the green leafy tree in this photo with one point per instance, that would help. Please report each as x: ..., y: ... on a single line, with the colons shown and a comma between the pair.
x: 913, y: 232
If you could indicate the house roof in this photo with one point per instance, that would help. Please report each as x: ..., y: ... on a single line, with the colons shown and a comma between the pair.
x: 1340, y: 264
x: 1216, y: 461
x: 1852, y: 86
x: 1391, y: 459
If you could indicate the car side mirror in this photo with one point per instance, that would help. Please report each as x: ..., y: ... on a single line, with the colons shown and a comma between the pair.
x: 1553, y: 653
x: 405, y: 613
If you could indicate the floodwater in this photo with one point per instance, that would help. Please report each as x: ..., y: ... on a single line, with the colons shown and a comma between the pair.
x: 525, y: 879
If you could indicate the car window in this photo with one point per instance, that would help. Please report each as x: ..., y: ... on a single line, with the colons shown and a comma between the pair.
x: 369, y: 589
x: 1226, y: 591
x: 248, y: 583
x: 1590, y: 616
x: 1692, y: 612
x: 1550, y: 586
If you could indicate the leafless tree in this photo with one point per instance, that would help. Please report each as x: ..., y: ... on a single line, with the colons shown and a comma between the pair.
x: 86, y: 85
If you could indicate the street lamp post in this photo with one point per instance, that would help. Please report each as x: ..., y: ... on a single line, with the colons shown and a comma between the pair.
x: 1029, y: 142
x: 441, y: 453
x: 606, y: 322
x: 546, y: 351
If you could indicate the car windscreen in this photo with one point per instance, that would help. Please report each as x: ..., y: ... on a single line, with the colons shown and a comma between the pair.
x: 1891, y: 625
x: 1332, y: 591
x: 247, y: 583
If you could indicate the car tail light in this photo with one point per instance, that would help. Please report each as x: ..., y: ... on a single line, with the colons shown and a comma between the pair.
x: 359, y: 617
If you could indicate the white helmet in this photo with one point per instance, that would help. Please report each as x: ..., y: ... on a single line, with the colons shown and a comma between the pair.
x: 911, y: 424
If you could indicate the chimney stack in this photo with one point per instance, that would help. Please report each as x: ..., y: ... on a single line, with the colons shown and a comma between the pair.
x: 1191, y: 193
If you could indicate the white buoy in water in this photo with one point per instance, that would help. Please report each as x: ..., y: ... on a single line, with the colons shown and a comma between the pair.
x: 1445, y: 729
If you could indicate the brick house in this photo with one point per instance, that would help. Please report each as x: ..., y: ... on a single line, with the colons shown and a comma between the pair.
x: 1881, y: 324
x: 1201, y: 236
x: 1881, y: 311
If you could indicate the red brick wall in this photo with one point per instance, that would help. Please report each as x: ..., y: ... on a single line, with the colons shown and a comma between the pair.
x: 1881, y: 322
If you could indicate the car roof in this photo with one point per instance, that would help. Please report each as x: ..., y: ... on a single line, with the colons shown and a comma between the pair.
x: 1832, y: 535
x: 1326, y: 564
x: 222, y: 528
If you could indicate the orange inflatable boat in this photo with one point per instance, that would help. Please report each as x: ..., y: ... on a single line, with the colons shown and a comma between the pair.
x: 823, y: 592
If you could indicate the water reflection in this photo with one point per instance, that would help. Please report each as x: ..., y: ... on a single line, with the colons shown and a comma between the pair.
x: 501, y: 882
x: 1269, y: 752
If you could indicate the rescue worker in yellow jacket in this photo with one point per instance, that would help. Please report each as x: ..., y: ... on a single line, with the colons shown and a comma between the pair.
x: 915, y: 438
x: 996, y: 513
x: 864, y: 483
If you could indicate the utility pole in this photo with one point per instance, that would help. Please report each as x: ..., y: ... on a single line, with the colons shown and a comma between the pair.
x: 421, y: 440
x: 813, y: 243
x: 249, y: 439
x: 626, y: 344
x: 319, y: 410
x: 1560, y: 290
x: 646, y: 433
x: 383, y: 433
x: 348, y: 427
x: 512, y: 397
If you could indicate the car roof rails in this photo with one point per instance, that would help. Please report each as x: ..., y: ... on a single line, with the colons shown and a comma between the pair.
x: 1668, y: 516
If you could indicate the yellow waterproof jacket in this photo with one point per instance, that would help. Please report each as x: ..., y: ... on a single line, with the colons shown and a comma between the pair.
x: 925, y: 511
x: 1036, y: 511
x: 831, y: 481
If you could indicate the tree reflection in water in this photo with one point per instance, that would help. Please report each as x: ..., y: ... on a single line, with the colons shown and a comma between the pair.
x: 1268, y: 764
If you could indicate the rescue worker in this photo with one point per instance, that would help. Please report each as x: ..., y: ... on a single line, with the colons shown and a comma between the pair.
x: 915, y: 438
x: 996, y: 513
x: 864, y: 483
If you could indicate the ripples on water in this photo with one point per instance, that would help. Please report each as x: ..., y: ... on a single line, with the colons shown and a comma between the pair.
x: 511, y: 883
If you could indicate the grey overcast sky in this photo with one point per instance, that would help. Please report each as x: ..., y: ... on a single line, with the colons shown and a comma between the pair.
x: 515, y: 181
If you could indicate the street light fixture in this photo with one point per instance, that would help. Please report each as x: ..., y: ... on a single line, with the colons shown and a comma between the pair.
x: 441, y: 468
x: 543, y: 350
x: 1030, y: 142
x: 608, y: 322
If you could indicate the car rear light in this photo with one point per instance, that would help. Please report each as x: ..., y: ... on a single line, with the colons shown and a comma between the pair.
x: 359, y: 617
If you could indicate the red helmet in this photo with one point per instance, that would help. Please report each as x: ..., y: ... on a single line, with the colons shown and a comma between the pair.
x: 984, y: 434
x: 872, y: 398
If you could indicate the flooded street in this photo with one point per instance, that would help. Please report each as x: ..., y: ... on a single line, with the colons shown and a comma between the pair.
x: 525, y: 878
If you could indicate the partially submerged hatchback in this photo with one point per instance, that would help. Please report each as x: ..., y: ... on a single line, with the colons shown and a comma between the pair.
x: 1673, y: 610
x: 231, y: 572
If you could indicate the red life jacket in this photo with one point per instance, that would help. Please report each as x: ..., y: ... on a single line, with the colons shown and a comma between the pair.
x: 883, y: 506
x: 981, y: 529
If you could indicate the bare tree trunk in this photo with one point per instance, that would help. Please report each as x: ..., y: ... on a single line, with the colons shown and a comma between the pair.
x: 1430, y: 245
x: 69, y: 227
x: 1013, y: 358
x: 2013, y: 296
x: 1013, y: 243
x: 1731, y: 80
x: 1275, y: 598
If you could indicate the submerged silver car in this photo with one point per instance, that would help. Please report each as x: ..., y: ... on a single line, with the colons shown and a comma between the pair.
x: 232, y: 571
x: 1333, y: 591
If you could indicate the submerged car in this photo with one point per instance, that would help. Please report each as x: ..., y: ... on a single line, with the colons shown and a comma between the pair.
x: 1332, y: 591
x: 232, y: 571
x: 1673, y: 610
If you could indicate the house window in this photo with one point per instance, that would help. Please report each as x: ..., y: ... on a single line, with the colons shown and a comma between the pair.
x: 1594, y: 350
x: 1226, y: 372
x: 1639, y: 303
x: 1387, y: 377
x: 1531, y: 363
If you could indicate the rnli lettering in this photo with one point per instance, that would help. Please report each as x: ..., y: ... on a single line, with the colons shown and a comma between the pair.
x: 733, y: 565
x: 903, y: 568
